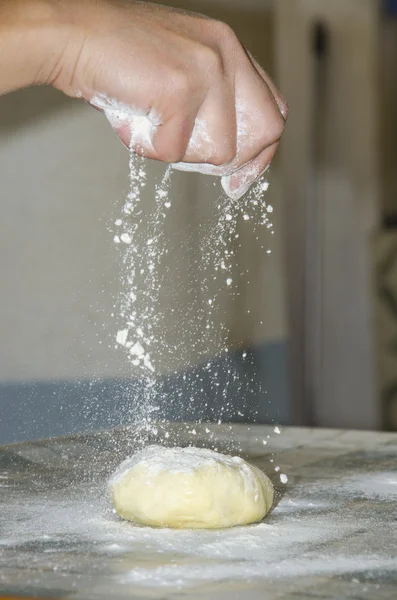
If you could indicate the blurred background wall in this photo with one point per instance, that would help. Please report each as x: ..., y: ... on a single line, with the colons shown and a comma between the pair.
x: 317, y: 317
x: 338, y: 163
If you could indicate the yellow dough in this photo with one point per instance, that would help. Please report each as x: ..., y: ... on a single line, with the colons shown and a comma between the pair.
x: 189, y: 488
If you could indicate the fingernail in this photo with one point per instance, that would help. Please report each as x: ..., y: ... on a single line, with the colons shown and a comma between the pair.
x: 237, y: 184
x: 283, y: 106
x: 235, y: 192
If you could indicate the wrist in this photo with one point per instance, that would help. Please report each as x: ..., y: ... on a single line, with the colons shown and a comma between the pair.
x: 32, y: 42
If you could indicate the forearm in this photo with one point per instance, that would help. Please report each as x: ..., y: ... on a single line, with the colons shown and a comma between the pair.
x: 32, y: 41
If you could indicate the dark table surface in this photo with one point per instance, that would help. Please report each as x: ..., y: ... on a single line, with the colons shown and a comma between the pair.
x: 332, y: 532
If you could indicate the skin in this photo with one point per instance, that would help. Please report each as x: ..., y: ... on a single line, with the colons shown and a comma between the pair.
x: 181, y: 65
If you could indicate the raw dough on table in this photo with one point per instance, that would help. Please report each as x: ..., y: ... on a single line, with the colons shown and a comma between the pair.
x: 189, y: 488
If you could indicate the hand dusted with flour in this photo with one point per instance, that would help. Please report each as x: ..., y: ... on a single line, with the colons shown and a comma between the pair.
x: 212, y: 107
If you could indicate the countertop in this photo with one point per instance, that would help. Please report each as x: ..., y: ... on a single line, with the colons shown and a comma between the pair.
x: 332, y: 532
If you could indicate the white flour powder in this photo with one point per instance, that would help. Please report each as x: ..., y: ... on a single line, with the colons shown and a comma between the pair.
x: 304, y: 536
x: 142, y: 125
x: 140, y: 236
x: 176, y: 460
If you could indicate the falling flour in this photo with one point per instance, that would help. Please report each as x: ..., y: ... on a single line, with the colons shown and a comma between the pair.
x: 139, y: 233
x: 140, y: 237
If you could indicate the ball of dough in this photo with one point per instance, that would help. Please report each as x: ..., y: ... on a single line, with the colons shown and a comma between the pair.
x: 190, y: 488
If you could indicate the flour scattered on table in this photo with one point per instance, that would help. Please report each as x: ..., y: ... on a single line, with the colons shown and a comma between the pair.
x: 373, y: 485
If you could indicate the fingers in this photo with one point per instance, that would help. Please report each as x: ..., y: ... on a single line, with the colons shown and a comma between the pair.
x: 239, y: 182
x: 134, y: 127
x: 233, y: 137
x: 214, y: 137
x: 259, y: 121
x: 160, y: 133
x: 230, y: 135
x: 171, y: 139
x: 279, y: 98
x: 261, y: 115
x: 181, y: 102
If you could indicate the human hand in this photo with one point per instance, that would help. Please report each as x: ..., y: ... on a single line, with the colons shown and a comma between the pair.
x: 208, y: 104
